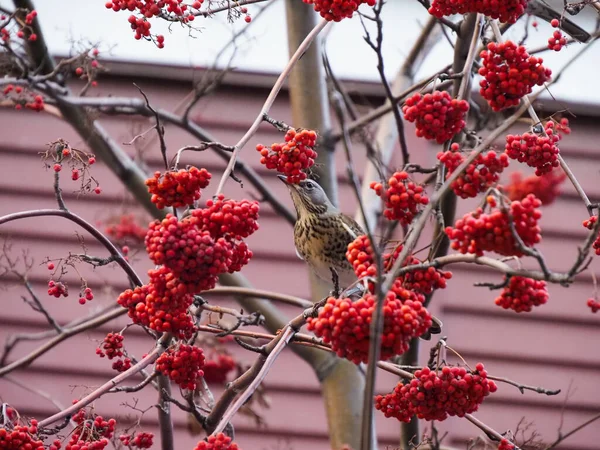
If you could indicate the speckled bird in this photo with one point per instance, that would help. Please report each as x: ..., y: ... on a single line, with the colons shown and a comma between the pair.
x: 322, y: 233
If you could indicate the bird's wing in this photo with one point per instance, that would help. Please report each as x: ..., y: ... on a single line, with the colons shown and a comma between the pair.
x: 353, y: 228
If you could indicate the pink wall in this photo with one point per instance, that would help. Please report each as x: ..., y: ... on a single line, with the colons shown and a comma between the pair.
x: 554, y: 346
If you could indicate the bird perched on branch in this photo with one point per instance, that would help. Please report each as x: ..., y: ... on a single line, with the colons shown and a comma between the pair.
x: 322, y: 233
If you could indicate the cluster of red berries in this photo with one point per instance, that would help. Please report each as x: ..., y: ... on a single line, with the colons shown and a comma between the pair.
x: 539, y: 151
x: 437, y: 394
x: 336, y: 10
x: 162, y: 304
x: 403, y: 198
x: 174, y: 9
x: 545, y: 187
x: 478, y: 176
x: 593, y: 304
x: 345, y: 324
x: 360, y: 255
x: 292, y: 157
x: 21, y: 437
x: 509, y: 73
x: 126, y: 229
x: 589, y: 224
x: 217, y: 368
x: 29, y: 101
x: 505, y: 445
x: 506, y: 11
x: 86, y: 296
x: 437, y: 116
x: 138, y: 440
x: 219, y: 441
x: 206, y: 244
x: 88, y: 67
x: 522, y: 294
x: 557, y: 41
x: 177, y: 189
x: 57, y: 288
x: 112, y: 347
x: 183, y: 365
x: 479, y: 232
x: 91, y: 432
x: 29, y: 17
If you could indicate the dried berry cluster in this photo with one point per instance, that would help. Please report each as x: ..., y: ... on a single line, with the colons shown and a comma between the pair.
x: 336, y: 10
x: 437, y: 116
x: 403, y: 198
x: 112, y: 347
x: 21, y: 437
x: 162, y: 304
x: 506, y: 10
x: 479, y: 232
x: 536, y: 150
x: 183, y: 365
x: 139, y: 440
x: 522, y: 294
x: 589, y: 224
x: 205, y: 244
x: 345, y: 324
x: 435, y: 395
x: 482, y: 173
x: 219, y: 441
x: 217, y: 368
x: 545, y: 187
x: 509, y: 73
x: 360, y: 255
x: 92, y: 432
x: 175, y: 10
x: 292, y: 157
x: 177, y: 188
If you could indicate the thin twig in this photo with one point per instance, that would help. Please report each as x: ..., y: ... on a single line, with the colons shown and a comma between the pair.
x: 523, y: 387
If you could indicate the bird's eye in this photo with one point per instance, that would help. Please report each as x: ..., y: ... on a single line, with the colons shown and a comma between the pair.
x: 309, y: 185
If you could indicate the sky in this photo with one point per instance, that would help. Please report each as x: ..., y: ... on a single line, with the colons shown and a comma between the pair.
x: 263, y: 47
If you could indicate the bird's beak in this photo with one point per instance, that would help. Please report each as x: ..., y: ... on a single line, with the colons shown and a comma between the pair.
x: 283, y: 178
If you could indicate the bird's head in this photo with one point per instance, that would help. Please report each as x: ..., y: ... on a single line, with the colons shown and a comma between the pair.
x: 309, y: 198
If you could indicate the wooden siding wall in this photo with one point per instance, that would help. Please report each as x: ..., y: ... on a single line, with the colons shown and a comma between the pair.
x: 555, y: 346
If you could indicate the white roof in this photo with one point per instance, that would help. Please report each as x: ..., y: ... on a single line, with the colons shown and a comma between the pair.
x: 263, y: 48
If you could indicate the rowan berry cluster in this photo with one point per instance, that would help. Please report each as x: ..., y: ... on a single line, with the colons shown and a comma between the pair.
x: 217, y: 368
x: 345, y: 324
x: 479, y: 232
x: 292, y: 157
x: 86, y: 296
x: 21, y: 437
x: 538, y: 151
x: 57, y: 288
x: 557, y: 41
x: 506, y: 11
x: 177, y: 189
x: 482, y: 173
x: 360, y: 255
x: 206, y: 244
x: 183, y: 365
x: 505, y: 445
x: 509, y: 73
x: 336, y: 10
x: 174, y: 10
x: 137, y: 440
x: 24, y: 98
x: 23, y: 30
x: 593, y: 304
x: 437, y: 116
x: 162, y: 304
x: 437, y: 394
x: 403, y: 198
x: 545, y: 187
x: 589, y: 224
x: 522, y: 294
x: 126, y: 229
x: 93, y: 432
x: 219, y: 441
x: 112, y: 347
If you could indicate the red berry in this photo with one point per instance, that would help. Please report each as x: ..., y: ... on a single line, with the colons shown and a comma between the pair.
x: 248, y: 19
x: 546, y: 187
x: 522, y: 294
x: 50, y: 266
x: 505, y: 445
x: 555, y: 23
x: 57, y: 167
x: 336, y: 10
x: 217, y: 368
x: 178, y: 189
x: 403, y: 198
x: 217, y: 442
x: 593, y: 304
x: 91, y: 160
x: 97, y: 190
x: 538, y: 151
x: 182, y: 365
x: 506, y: 10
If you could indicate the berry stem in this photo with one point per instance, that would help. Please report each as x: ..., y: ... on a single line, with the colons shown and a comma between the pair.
x: 487, y: 429
x: 523, y: 387
x: 269, y: 101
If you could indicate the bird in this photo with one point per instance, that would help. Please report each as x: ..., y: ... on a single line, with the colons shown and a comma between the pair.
x: 322, y: 233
